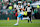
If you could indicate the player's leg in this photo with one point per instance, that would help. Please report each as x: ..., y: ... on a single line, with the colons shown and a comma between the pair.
x: 30, y: 17
x: 18, y: 19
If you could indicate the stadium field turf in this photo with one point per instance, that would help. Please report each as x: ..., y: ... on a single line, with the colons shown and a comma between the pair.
x: 22, y: 23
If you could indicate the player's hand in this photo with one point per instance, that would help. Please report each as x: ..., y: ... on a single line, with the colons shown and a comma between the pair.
x: 23, y: 9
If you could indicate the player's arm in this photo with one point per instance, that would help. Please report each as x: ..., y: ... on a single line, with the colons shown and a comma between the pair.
x: 23, y: 9
x: 31, y: 8
x: 26, y: 8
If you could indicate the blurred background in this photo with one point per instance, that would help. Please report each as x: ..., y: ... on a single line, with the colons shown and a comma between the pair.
x: 7, y: 8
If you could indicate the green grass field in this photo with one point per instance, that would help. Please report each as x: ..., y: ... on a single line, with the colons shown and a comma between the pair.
x: 22, y: 23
